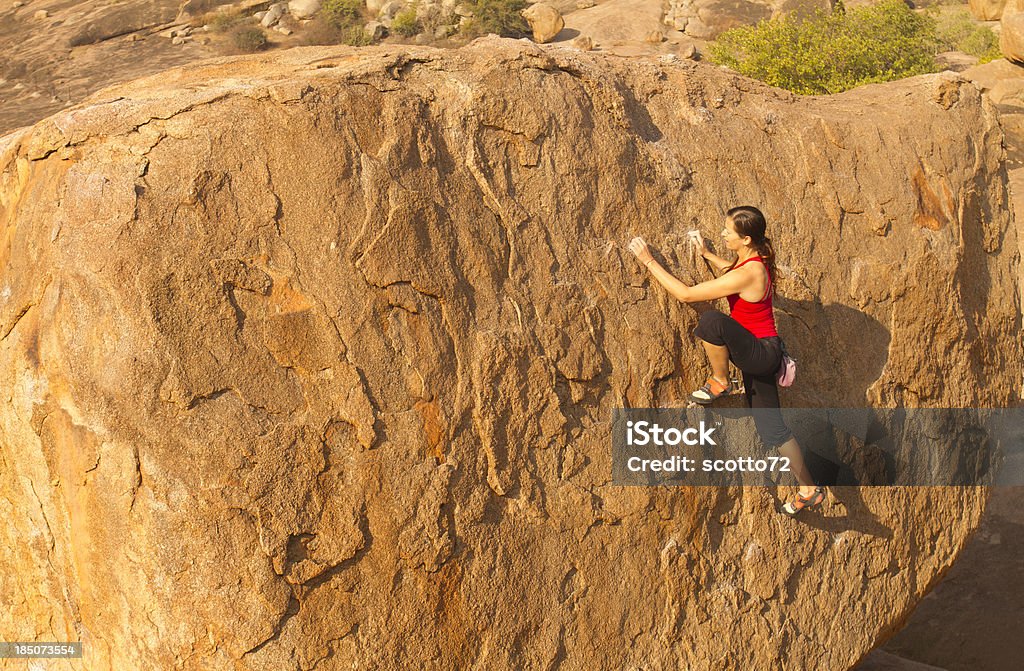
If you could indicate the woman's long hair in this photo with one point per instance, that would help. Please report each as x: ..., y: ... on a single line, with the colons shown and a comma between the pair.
x: 749, y: 221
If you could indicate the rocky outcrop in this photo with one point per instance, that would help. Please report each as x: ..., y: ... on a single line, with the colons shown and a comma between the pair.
x: 605, y: 23
x: 310, y: 359
x: 40, y: 72
x: 105, y: 22
x: 192, y: 9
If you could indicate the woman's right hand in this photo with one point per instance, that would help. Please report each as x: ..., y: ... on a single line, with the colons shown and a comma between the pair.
x: 698, y: 241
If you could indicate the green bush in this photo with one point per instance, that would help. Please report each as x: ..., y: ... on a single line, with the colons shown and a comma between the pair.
x: 434, y: 18
x: 249, y: 40
x: 497, y: 16
x: 338, y: 22
x: 405, y: 23
x: 356, y: 36
x: 957, y: 31
x: 343, y: 13
x: 982, y: 43
x: 832, y: 52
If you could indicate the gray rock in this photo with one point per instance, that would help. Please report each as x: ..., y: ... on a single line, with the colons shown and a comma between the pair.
x: 375, y: 30
x: 273, y: 15
x: 389, y: 10
x: 956, y: 61
x: 721, y: 15
x: 583, y: 43
x: 304, y: 9
x: 697, y: 28
x: 172, y: 31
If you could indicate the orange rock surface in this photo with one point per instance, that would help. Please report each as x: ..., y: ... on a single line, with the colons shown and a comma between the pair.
x: 310, y: 359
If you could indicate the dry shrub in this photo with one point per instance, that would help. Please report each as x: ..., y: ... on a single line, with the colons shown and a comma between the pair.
x: 320, y: 31
x: 221, y: 21
x: 248, y: 39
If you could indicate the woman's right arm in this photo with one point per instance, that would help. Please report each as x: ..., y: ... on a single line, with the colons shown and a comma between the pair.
x: 717, y: 262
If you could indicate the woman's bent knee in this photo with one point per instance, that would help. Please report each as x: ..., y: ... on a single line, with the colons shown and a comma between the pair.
x: 709, y: 327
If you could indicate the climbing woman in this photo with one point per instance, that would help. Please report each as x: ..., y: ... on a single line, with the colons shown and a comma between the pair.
x: 748, y: 337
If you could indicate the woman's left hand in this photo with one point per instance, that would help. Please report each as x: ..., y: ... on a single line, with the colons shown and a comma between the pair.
x: 639, y: 249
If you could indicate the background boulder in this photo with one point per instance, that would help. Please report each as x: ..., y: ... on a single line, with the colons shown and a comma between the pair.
x: 987, y: 10
x: 310, y: 357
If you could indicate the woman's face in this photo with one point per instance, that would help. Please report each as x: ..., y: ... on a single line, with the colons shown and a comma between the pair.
x: 732, y: 239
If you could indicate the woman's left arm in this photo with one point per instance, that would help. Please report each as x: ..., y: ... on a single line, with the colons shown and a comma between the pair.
x: 726, y: 285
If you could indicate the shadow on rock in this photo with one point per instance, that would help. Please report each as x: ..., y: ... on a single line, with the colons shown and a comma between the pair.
x: 857, y: 516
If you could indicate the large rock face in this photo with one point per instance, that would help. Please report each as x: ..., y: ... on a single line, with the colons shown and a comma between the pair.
x: 311, y: 359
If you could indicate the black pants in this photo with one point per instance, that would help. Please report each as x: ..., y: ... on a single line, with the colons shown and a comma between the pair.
x: 759, y: 359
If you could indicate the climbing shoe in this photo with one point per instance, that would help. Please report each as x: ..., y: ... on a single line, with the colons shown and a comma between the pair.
x: 793, y: 508
x: 711, y: 390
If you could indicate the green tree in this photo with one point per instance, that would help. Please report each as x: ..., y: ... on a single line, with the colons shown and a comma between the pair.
x: 356, y: 36
x: 829, y: 52
x: 343, y: 13
x: 957, y: 30
x: 405, y: 23
x: 498, y: 16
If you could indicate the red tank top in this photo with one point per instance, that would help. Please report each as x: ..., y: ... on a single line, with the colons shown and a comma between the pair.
x: 758, y: 317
